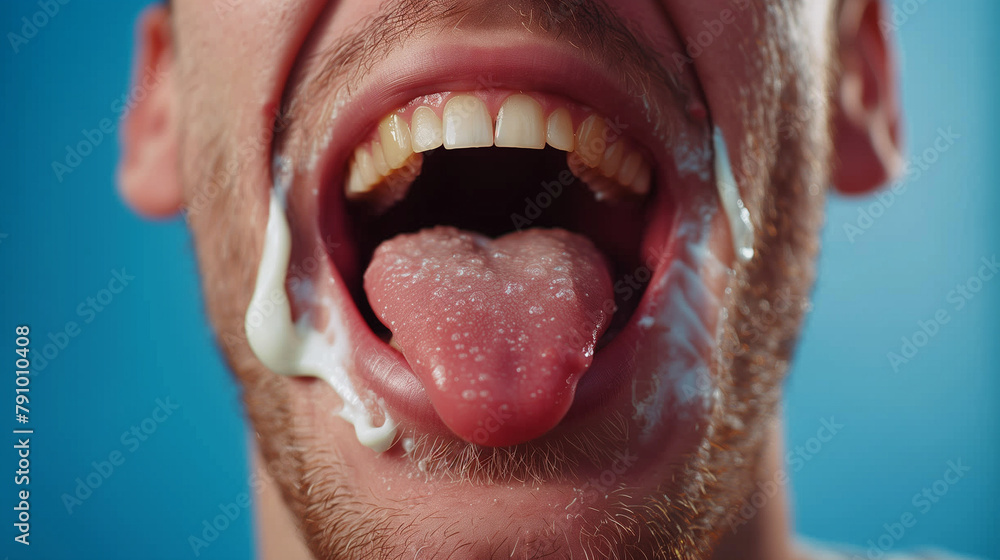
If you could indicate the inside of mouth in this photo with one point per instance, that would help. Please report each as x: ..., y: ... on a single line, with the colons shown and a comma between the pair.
x: 493, y: 192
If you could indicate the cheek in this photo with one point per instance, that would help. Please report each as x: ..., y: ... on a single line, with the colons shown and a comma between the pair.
x: 227, y: 231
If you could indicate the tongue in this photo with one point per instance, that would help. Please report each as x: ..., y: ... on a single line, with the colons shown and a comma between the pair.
x: 499, y: 332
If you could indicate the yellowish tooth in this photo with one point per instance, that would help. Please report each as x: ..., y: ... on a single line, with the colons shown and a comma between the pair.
x: 356, y: 185
x: 630, y: 168
x: 590, y: 142
x: 467, y: 123
x: 612, y: 159
x: 395, y: 136
x: 378, y: 159
x: 366, y: 167
x: 386, y: 191
x: 640, y: 185
x: 425, y: 129
x: 520, y: 123
x: 559, y: 130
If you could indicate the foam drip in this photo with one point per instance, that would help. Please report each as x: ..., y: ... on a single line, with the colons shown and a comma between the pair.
x: 296, y: 349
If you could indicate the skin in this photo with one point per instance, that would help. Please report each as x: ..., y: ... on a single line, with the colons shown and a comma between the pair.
x: 805, y: 95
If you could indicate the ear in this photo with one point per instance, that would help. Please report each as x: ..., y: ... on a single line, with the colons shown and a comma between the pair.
x: 148, y: 178
x: 867, y: 138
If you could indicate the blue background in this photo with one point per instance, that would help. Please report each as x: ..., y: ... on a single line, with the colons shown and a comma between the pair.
x: 64, y: 239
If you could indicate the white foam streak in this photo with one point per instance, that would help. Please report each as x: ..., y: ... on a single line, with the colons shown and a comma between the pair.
x: 681, y: 379
x: 729, y: 194
x: 293, y: 349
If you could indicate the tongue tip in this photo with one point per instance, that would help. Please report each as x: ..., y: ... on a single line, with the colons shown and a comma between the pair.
x: 504, y: 425
x: 511, y: 407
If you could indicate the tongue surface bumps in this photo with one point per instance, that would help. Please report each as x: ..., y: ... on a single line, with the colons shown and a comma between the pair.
x: 499, y: 331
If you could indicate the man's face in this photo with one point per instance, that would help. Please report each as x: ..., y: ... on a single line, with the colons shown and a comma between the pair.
x: 570, y: 374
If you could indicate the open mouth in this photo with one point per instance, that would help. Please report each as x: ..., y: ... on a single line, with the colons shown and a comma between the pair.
x: 509, y: 258
x: 498, y: 244
x: 458, y: 163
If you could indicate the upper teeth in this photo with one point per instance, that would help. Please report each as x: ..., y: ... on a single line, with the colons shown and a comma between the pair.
x: 467, y: 123
x: 383, y: 167
x: 520, y: 123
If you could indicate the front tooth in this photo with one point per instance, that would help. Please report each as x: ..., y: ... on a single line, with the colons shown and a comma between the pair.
x: 395, y: 136
x: 612, y: 159
x: 559, y: 130
x: 590, y: 142
x: 520, y: 123
x: 467, y: 123
x: 425, y: 128
x: 378, y: 159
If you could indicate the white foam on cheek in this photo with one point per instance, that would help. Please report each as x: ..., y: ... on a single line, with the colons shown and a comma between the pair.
x: 729, y: 194
x: 684, y: 332
x: 686, y: 328
x: 287, y: 348
x: 692, y: 159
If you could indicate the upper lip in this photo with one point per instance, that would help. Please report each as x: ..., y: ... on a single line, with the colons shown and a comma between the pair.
x: 537, y: 67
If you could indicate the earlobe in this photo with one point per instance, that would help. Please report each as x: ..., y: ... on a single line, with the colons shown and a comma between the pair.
x: 867, y: 121
x: 148, y: 178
